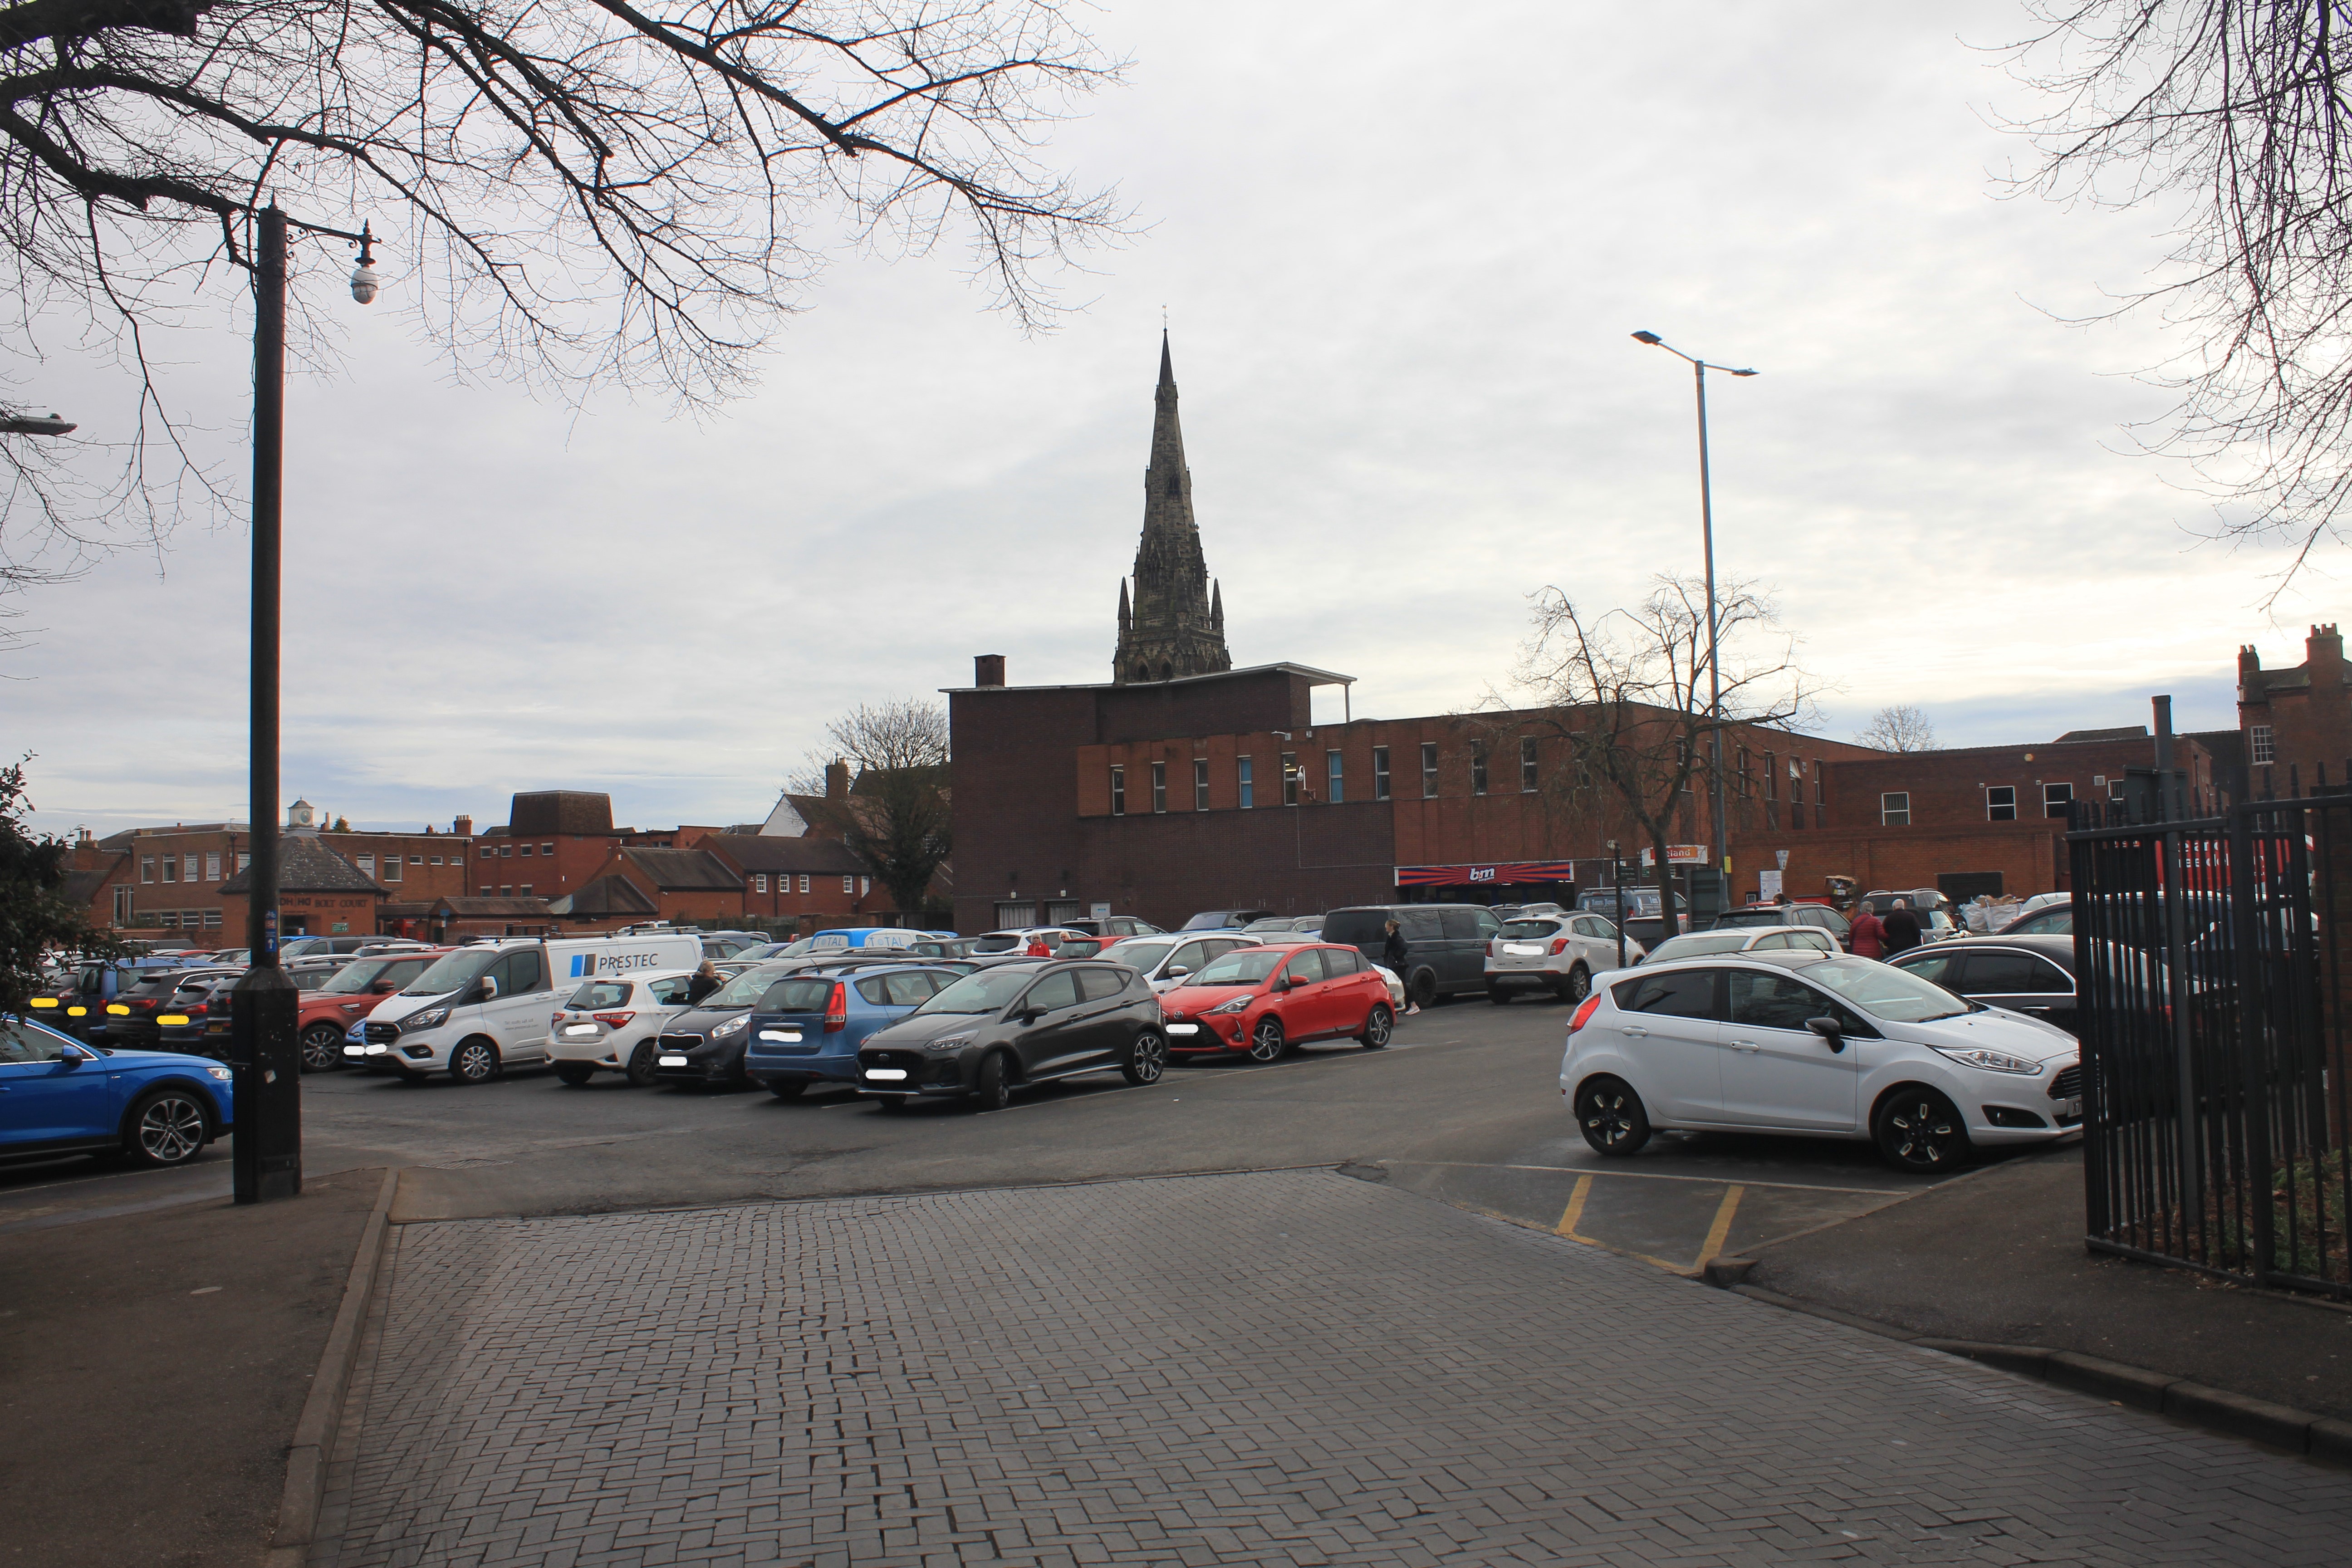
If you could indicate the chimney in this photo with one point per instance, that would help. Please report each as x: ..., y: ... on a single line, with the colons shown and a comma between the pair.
x: 836, y: 779
x: 2324, y: 657
x: 462, y: 826
x: 2249, y: 661
x: 988, y: 669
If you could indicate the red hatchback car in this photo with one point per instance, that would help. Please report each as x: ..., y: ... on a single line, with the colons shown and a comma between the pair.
x: 1264, y: 1000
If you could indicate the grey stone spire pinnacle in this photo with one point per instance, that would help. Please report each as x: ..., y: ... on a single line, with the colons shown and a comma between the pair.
x: 1174, y: 630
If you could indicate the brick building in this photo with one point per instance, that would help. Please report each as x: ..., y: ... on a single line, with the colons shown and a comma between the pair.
x: 811, y: 880
x: 319, y: 893
x: 2297, y: 723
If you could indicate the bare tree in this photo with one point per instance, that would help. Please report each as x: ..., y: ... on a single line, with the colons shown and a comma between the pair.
x: 2231, y: 118
x: 895, y: 816
x: 604, y: 191
x: 1627, y: 692
x: 1899, y: 728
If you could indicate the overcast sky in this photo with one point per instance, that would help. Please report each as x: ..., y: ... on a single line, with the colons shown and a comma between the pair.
x: 1401, y: 259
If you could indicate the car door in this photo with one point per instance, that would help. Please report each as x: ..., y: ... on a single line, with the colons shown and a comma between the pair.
x: 1051, y: 1039
x: 1673, y: 1033
x: 1188, y: 957
x: 2021, y: 982
x: 1775, y: 1071
x: 1103, y: 1023
x: 45, y: 1099
x: 1305, y: 1008
x: 1461, y: 949
x: 1355, y: 989
x: 525, y: 1003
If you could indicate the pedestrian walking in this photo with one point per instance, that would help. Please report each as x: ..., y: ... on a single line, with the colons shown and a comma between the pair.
x: 1902, y: 929
x: 706, y: 980
x: 1394, y: 953
x: 1869, y: 933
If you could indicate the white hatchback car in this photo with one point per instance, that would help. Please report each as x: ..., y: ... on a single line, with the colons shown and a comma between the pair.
x: 1556, y: 953
x: 1818, y: 1045
x: 610, y: 1025
x: 1167, y: 960
x: 1745, y: 938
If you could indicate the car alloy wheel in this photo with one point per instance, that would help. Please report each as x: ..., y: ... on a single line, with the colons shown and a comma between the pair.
x: 168, y: 1128
x: 1379, y: 1024
x: 474, y: 1061
x: 641, y: 1065
x: 1579, y: 984
x: 323, y: 1048
x: 1267, y: 1041
x: 1147, y: 1060
x: 991, y: 1089
x: 1919, y: 1130
x: 1611, y: 1118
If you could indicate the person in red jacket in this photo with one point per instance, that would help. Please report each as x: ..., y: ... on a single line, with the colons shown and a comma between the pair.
x: 1869, y: 933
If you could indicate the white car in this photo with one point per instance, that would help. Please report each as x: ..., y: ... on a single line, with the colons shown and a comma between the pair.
x: 997, y: 943
x: 1166, y: 961
x: 1818, y: 1044
x: 1559, y: 953
x: 610, y: 1025
x: 1745, y: 938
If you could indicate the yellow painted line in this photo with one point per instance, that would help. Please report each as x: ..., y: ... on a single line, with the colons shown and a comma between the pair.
x: 1721, y: 1229
x: 1574, y: 1212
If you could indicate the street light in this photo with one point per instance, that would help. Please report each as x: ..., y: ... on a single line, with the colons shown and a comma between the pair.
x: 12, y: 423
x: 1714, y: 670
x: 264, y: 1055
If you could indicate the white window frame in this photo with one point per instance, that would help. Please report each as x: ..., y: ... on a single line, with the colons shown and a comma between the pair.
x: 2259, y: 746
x: 1890, y: 815
x: 1993, y: 806
x: 2049, y: 799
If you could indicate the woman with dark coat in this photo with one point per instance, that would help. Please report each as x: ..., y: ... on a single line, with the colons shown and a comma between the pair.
x: 1394, y: 953
x: 1902, y: 929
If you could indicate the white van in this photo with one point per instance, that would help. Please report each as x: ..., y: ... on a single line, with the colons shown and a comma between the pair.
x: 483, y: 1008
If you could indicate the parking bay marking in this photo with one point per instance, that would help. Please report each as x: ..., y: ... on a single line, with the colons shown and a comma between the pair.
x: 1709, y: 1252
x: 1655, y: 1176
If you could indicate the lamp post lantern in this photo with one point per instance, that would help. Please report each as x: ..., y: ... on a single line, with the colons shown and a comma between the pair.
x: 1714, y: 669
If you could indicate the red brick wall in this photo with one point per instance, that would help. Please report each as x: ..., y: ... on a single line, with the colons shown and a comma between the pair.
x: 1948, y: 789
x: 2030, y: 856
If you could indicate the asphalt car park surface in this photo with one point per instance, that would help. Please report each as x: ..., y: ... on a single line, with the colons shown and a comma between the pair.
x: 1463, y: 1108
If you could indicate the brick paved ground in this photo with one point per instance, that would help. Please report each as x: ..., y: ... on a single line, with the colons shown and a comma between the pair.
x: 1280, y: 1368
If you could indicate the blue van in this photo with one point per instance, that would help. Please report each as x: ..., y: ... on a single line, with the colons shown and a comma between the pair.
x: 806, y: 1029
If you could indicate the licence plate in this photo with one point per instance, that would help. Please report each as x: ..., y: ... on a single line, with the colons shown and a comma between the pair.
x: 571, y: 1029
x: 888, y: 1075
x: 1183, y: 1028
x: 782, y: 1036
x: 672, y: 1062
x: 2071, y: 1107
x: 1522, y: 950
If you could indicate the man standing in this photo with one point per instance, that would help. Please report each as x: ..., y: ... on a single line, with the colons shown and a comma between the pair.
x: 1902, y: 929
x: 1869, y: 933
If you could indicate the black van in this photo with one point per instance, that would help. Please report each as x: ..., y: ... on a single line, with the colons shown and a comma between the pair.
x: 1446, y: 944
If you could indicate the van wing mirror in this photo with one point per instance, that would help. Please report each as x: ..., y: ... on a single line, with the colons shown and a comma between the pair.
x: 487, y: 988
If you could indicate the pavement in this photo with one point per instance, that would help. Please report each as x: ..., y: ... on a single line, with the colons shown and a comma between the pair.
x: 1280, y: 1368
x: 156, y: 1345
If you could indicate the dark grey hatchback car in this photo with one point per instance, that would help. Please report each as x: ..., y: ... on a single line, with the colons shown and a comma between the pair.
x: 1016, y: 1023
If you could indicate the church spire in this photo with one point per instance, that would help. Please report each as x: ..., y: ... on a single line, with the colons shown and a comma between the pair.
x: 1173, y: 630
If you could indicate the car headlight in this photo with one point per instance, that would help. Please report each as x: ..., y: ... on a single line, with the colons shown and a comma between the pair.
x: 431, y: 1018
x: 1993, y: 1061
x: 952, y: 1042
x: 733, y: 1025
x: 220, y: 1073
x: 1238, y: 1005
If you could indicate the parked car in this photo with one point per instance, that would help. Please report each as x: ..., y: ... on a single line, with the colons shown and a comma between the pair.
x: 2051, y: 920
x: 1165, y: 962
x: 1284, y: 924
x: 61, y: 1096
x: 703, y: 1047
x: 1646, y: 911
x: 1820, y: 917
x: 1557, y: 953
x: 206, y: 1032
x: 1020, y: 941
x: 328, y: 1007
x: 1014, y: 1024
x: 615, y: 1025
x: 343, y: 943
x: 130, y: 1016
x: 1446, y: 944
x: 808, y: 1028
x: 1116, y: 926
x: 2029, y: 975
x: 1225, y: 919
x: 78, y: 1007
x: 1266, y: 1001
x: 940, y: 947
x: 1747, y: 939
x: 1816, y: 1045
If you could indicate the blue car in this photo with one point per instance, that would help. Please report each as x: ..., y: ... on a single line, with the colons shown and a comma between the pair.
x: 59, y: 1096
x: 808, y: 1026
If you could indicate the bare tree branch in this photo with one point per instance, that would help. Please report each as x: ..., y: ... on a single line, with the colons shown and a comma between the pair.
x: 1900, y: 727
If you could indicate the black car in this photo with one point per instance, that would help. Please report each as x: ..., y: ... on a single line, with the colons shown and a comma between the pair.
x: 207, y: 1010
x: 2030, y: 975
x: 131, y: 1018
x: 1820, y: 917
x: 1643, y: 912
x: 1446, y: 944
x: 1013, y: 1025
x: 703, y: 1047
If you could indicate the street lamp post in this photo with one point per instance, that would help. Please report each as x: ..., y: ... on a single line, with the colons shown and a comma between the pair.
x: 264, y: 1056
x: 1714, y: 669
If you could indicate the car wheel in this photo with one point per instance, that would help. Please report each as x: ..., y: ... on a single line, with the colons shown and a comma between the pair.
x: 787, y: 1088
x: 166, y: 1128
x: 1422, y: 989
x: 1580, y: 984
x: 474, y: 1061
x: 1918, y: 1129
x: 1612, y: 1117
x: 641, y: 1065
x: 1498, y: 996
x: 1267, y: 1042
x: 1379, y: 1023
x: 574, y: 1073
x: 1147, y: 1060
x: 323, y: 1048
x: 992, y: 1090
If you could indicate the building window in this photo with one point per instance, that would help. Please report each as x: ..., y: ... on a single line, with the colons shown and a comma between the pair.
x: 1290, y: 778
x: 1746, y: 785
x: 1821, y: 782
x: 1477, y: 767
x: 2263, y: 755
x: 123, y: 897
x: 168, y: 918
x: 212, y: 919
x: 2001, y: 803
x: 804, y: 884
x: 243, y: 860
x: 1771, y: 776
x: 1160, y: 787
x: 1118, y: 792
x: 1379, y: 773
x: 506, y: 851
x: 1013, y: 917
x: 547, y: 848
x: 1530, y: 771
x: 865, y: 885
x: 436, y: 859
x: 1334, y: 773
x: 526, y: 849
x: 849, y: 884
x: 171, y: 867
x: 212, y: 868
x: 2056, y: 798
x: 392, y: 867
x: 367, y: 865
x: 1429, y: 770
x: 488, y: 850
x: 522, y: 890
x: 1242, y: 776
x: 1894, y: 809
x: 759, y: 882
x: 1199, y: 783
x: 506, y: 892
x: 146, y: 868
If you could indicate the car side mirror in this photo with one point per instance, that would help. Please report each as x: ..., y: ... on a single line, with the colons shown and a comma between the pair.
x: 1174, y: 969
x: 1028, y: 1015
x: 382, y: 988
x: 1828, y: 1029
x: 71, y: 1056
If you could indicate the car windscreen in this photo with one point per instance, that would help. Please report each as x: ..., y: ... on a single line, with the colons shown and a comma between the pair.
x: 1137, y: 952
x: 1536, y: 930
x: 982, y: 993
x: 1209, y: 919
x: 1694, y: 947
x: 743, y: 990
x: 1243, y: 966
x: 453, y: 972
x: 1882, y: 992
x: 357, y: 976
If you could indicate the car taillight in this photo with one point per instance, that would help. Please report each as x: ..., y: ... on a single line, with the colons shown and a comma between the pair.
x: 198, y: 1010
x: 612, y: 1020
x: 1559, y: 945
x: 1584, y: 1014
x: 836, y: 1011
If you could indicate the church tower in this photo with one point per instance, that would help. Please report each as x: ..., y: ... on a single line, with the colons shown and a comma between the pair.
x: 1175, y: 624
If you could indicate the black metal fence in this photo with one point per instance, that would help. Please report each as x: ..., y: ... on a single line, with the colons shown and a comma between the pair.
x: 2211, y: 953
